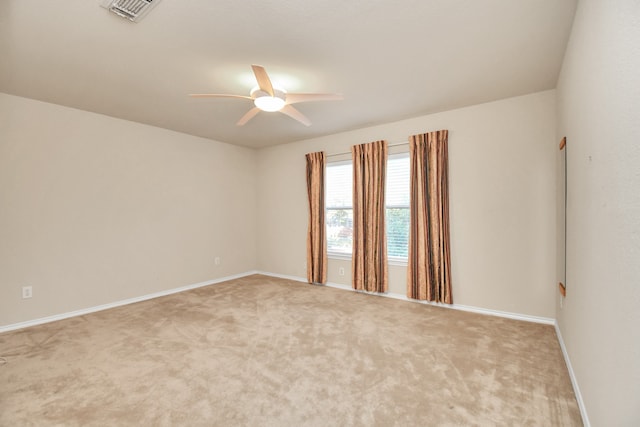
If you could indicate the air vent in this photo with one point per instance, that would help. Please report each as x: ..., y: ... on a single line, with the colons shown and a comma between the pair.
x: 133, y: 10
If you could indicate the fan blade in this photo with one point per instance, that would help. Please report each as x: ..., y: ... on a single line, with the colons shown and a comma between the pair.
x: 248, y: 116
x: 264, y: 82
x: 295, y: 114
x: 293, y: 98
x: 217, y: 95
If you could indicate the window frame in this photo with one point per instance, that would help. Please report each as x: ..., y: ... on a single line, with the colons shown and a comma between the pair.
x: 396, y: 260
x: 333, y: 254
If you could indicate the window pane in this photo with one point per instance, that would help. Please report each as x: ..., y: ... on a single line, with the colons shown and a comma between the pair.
x: 398, y: 181
x: 397, y: 223
x: 339, y: 230
x: 397, y: 201
x: 339, y: 217
x: 338, y: 186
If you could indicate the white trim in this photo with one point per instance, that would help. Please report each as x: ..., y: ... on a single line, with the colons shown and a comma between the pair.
x: 81, y: 312
x: 574, y: 380
x: 338, y: 162
x: 479, y: 310
x: 472, y: 309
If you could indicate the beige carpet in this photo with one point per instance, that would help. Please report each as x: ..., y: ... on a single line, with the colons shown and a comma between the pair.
x: 261, y: 351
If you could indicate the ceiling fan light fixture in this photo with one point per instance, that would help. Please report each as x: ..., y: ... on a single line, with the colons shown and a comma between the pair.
x: 269, y: 103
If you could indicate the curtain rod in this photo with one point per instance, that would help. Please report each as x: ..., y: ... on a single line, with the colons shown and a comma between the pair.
x: 349, y: 152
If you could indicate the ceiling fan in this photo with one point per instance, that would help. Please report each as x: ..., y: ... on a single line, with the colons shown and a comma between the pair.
x: 266, y: 97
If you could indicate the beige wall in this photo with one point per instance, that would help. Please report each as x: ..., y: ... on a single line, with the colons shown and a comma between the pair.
x: 502, y: 202
x: 599, y: 110
x: 95, y: 209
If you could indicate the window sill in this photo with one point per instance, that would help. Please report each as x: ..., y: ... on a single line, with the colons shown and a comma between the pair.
x: 402, y: 262
x: 395, y: 261
x: 335, y: 255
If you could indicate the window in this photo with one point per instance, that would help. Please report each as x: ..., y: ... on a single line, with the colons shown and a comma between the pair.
x: 397, y: 212
x: 339, y: 207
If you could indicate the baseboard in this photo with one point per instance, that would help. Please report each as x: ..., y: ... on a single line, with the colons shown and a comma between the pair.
x: 84, y: 311
x: 479, y: 310
x: 574, y: 381
x: 81, y: 312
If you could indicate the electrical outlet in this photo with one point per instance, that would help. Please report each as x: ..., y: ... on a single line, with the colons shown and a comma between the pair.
x: 341, y: 271
x: 217, y: 260
x: 27, y: 292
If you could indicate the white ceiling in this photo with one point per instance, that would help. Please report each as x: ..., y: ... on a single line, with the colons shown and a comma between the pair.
x: 391, y: 59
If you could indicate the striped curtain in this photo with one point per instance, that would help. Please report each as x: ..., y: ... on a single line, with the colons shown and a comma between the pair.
x: 429, y: 263
x: 316, y: 237
x: 369, y: 262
